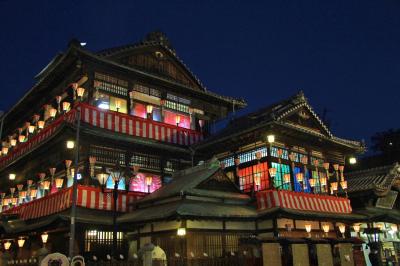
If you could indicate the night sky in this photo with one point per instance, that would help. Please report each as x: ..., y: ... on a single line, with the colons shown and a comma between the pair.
x: 343, y: 54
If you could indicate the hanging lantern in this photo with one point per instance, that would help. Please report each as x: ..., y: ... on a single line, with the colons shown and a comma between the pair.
x: 117, y: 105
x: 308, y: 228
x: 13, y: 142
x: 29, y: 182
x: 342, y: 228
x: 201, y: 123
x: 80, y: 91
x: 52, y: 171
x: 14, y: 201
x: 7, y: 245
x: 257, y: 179
x: 343, y: 184
x: 312, y: 182
x: 304, y: 160
x: 237, y: 161
x: 149, y: 108
x: 31, y: 129
x: 33, y: 193
x: 41, y: 124
x: 356, y: 228
x: 46, y: 185
x: 68, y: 165
x: 52, y: 112
x: 271, y: 138
x: 21, y: 138
x: 65, y: 106
x: 341, y: 168
x: 35, y: 118
x: 316, y: 162
x: 59, y: 182
x: 4, y: 150
x: 326, y: 166
x: 323, y: 181
x: 102, y: 177
x: 20, y: 187
x: 300, y: 177
x: 272, y: 171
x: 279, y: 153
x: 12, y: 190
x: 23, y: 194
x: 292, y: 156
x: 336, y: 166
x: 2, y: 195
x: 325, y: 227
x: 286, y: 178
x: 149, y: 180
x: 21, y: 242
x: 258, y: 155
x: 177, y: 120
x: 44, y: 237
x: 42, y: 176
x: 334, y: 186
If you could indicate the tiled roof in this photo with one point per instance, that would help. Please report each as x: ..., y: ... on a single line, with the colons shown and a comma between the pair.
x: 379, y: 179
x: 275, y: 113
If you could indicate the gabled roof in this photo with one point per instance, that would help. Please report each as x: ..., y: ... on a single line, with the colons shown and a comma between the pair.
x: 277, y: 114
x: 379, y: 180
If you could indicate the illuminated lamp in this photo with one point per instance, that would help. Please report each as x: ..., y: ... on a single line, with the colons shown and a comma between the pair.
x: 41, y: 124
x: 80, y: 91
x: 292, y: 156
x: 59, y: 182
x: 149, y: 180
x: 334, y: 186
x: 52, y: 112
x: 304, y: 160
x: 258, y: 155
x: 102, y: 177
x: 343, y: 184
x: 70, y: 144
x: 21, y: 242
x: 12, y: 190
x: 181, y: 231
x: 21, y: 138
x: 356, y: 228
x: 300, y: 177
x: 13, y: 142
x: 352, y: 160
x: 117, y: 105
x: 341, y: 168
x: 11, y: 176
x: 177, y: 120
x: 312, y: 182
x: 272, y: 171
x: 308, y: 228
x: 22, y: 194
x: 257, y: 179
x: 31, y: 129
x: 4, y: 150
x: 44, y: 237
x: 14, y: 201
x: 201, y: 123
x: 394, y: 228
x: 326, y: 166
x: 336, y: 166
x: 286, y: 178
x: 29, y: 182
x: 342, y: 228
x: 7, y: 245
x: 46, y: 185
x: 316, y: 162
x: 271, y: 138
x: 65, y: 106
x: 33, y: 193
x: 322, y: 180
x: 325, y: 227
x: 149, y: 108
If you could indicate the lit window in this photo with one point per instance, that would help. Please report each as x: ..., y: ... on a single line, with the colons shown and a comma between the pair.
x: 139, y: 183
x: 107, y: 102
x: 139, y: 109
x: 170, y: 118
x: 281, y: 170
x: 256, y: 175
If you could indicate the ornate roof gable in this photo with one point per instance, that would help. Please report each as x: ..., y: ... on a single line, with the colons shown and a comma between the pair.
x: 155, y: 55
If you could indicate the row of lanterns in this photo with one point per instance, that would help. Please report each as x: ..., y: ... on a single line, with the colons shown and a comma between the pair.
x: 38, y: 124
x: 342, y: 228
x: 21, y: 241
x: 286, y: 178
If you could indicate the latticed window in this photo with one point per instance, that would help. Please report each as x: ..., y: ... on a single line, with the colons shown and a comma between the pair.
x: 100, y: 242
x: 305, y: 185
x: 254, y: 176
x: 284, y: 155
x: 281, y: 171
x: 317, y: 176
x: 107, y: 155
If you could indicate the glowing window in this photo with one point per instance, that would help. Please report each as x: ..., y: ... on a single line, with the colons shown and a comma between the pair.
x: 281, y: 170
x: 142, y: 183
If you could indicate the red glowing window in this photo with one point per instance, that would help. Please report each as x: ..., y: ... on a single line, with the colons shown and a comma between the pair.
x: 145, y: 183
x: 256, y: 175
x: 139, y: 110
x: 170, y: 118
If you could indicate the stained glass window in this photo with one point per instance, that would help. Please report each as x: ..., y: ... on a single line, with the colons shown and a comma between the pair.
x: 255, y: 175
x: 281, y: 170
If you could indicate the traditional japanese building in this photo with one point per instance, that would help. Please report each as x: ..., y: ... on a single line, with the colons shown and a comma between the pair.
x: 134, y: 126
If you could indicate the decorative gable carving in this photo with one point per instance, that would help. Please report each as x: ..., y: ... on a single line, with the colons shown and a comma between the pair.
x: 219, y: 182
x: 303, y: 118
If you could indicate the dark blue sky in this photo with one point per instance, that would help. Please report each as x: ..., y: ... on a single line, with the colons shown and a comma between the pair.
x: 343, y: 54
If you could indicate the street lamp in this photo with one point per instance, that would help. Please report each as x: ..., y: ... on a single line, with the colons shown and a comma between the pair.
x: 21, y: 242
x: 117, y: 174
x: 7, y: 245
x: 44, y: 237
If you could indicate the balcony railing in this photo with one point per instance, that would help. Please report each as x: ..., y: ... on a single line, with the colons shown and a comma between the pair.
x: 109, y: 120
x: 302, y: 201
x: 88, y: 197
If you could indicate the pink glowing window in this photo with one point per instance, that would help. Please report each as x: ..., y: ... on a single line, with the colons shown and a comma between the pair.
x: 139, y: 110
x: 170, y: 118
x: 145, y: 183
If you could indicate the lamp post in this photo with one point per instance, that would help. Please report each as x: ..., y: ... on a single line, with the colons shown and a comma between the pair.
x: 117, y: 174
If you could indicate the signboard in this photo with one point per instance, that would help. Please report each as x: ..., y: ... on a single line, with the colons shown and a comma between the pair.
x: 388, y: 201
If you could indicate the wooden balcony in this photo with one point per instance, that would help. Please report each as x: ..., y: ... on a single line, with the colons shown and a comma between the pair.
x: 88, y: 197
x: 108, y: 120
x: 302, y: 201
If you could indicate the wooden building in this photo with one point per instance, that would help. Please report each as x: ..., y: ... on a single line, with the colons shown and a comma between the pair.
x: 268, y: 188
